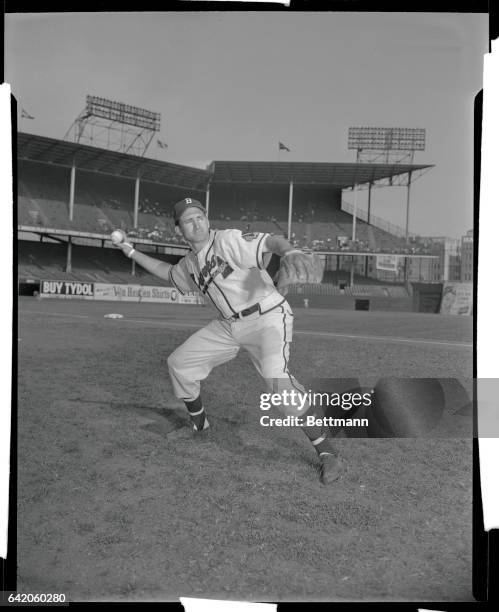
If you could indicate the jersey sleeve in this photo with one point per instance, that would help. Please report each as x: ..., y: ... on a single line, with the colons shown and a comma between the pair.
x: 181, y: 279
x: 245, y: 250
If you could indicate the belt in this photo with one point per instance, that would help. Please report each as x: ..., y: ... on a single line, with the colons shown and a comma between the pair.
x: 246, y: 312
x: 251, y: 309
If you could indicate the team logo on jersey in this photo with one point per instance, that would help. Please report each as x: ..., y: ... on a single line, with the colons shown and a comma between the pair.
x: 214, y: 266
x: 251, y: 236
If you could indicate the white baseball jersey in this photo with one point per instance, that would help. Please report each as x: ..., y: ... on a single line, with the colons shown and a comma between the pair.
x: 230, y: 271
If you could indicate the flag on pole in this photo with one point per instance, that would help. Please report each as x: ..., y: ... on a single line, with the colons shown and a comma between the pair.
x: 283, y: 147
x: 162, y: 145
x: 25, y: 115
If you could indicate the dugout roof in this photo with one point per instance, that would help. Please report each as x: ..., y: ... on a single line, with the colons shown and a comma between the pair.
x: 63, y: 153
x: 340, y: 175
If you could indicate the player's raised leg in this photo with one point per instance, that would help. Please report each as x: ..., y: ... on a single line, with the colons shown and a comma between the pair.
x: 192, y: 362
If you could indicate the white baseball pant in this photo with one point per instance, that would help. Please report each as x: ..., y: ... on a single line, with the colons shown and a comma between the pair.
x: 265, y: 336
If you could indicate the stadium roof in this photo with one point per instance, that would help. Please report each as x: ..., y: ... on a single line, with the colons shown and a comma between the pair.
x: 63, y: 153
x: 340, y: 174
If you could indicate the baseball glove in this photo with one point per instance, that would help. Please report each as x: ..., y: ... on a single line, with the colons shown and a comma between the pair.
x: 298, y: 267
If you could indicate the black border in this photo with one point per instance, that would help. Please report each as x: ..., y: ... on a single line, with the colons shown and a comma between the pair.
x: 446, y: 6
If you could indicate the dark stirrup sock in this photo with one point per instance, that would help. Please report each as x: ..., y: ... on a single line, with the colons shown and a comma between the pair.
x: 318, y: 434
x: 314, y: 432
x: 197, y: 414
x: 323, y: 445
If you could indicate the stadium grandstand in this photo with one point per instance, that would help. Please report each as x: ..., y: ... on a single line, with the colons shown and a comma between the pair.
x: 72, y: 195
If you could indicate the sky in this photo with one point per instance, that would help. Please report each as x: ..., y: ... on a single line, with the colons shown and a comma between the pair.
x: 230, y: 86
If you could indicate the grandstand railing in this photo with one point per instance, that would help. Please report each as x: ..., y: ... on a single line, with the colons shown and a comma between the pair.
x: 182, y: 248
x: 46, y: 231
x: 378, y: 222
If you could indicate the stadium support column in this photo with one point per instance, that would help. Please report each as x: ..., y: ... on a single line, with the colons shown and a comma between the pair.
x: 208, y: 199
x: 407, y: 208
x: 354, y: 226
x: 69, y: 250
x: 290, y: 209
x: 366, y: 261
x: 72, y: 191
x: 369, y: 202
x: 136, y: 204
x: 69, y: 253
x: 135, y: 213
x: 354, y: 220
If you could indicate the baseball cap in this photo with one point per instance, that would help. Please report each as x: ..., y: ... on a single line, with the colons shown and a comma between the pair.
x: 183, y: 205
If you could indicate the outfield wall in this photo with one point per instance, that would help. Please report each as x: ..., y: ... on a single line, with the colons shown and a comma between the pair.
x: 348, y: 302
x: 116, y: 292
x: 457, y: 299
x: 424, y: 298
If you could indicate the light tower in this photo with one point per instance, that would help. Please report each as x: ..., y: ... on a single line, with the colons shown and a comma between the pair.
x: 115, y: 126
x: 387, y: 146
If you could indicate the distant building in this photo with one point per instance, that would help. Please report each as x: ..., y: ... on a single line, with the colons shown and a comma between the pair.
x: 454, y: 263
x: 424, y: 269
x: 455, y: 266
x: 448, y: 265
x: 467, y: 257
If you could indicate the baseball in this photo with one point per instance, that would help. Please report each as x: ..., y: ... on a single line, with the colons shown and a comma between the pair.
x: 117, y: 237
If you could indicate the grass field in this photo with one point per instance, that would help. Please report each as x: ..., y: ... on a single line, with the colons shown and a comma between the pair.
x: 118, y: 501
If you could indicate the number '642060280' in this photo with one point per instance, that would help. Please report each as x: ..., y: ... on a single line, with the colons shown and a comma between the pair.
x: 36, y: 598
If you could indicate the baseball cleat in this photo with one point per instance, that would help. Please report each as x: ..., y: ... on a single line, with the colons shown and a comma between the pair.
x: 330, y: 468
x: 206, y: 426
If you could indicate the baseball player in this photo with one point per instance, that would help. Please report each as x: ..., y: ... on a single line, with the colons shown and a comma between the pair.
x: 228, y: 267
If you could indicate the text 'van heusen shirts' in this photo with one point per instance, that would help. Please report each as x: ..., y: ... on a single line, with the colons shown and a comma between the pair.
x: 230, y: 271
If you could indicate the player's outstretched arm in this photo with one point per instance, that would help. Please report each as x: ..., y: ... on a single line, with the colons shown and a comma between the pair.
x: 154, y: 266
